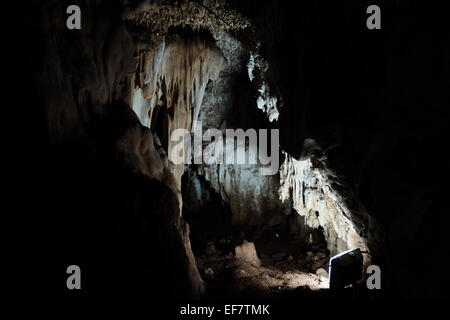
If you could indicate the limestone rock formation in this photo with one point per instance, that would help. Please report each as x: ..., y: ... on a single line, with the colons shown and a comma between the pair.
x: 247, y: 251
x: 171, y: 82
x: 324, y: 201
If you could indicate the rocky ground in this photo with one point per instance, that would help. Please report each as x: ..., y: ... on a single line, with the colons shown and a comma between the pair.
x: 275, y: 265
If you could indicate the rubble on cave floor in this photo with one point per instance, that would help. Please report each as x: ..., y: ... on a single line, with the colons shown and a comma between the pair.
x: 281, y: 264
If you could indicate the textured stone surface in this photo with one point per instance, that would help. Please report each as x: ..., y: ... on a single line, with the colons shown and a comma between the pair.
x: 156, y: 18
x: 228, y: 103
x: 171, y: 83
x: 253, y: 198
x: 322, y: 273
x: 98, y: 178
x: 247, y: 251
x: 176, y: 96
x: 323, y: 200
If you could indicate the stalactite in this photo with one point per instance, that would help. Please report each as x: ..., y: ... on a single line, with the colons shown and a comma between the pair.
x: 314, y: 190
x: 178, y: 71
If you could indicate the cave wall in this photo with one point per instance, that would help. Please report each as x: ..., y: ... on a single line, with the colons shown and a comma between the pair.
x: 105, y: 100
x: 231, y: 102
x: 325, y: 201
x: 172, y: 82
x: 375, y: 125
x: 95, y: 187
x: 207, y: 90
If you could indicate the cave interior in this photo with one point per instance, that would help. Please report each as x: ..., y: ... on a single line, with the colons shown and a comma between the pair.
x: 362, y: 117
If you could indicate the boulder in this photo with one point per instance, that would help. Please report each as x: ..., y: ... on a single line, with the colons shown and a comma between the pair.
x: 247, y: 252
x: 321, y: 272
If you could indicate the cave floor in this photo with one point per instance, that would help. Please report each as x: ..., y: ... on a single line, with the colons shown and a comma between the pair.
x: 237, y: 278
x: 288, y: 268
